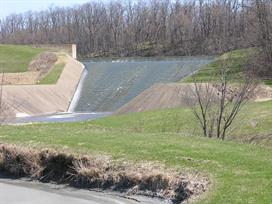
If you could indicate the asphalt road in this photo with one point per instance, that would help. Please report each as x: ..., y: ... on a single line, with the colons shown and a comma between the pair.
x: 21, y: 192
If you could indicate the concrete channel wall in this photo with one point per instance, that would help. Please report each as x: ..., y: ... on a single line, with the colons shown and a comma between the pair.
x: 44, y: 99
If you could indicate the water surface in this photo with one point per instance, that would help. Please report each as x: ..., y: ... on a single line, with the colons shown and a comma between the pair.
x: 112, y: 83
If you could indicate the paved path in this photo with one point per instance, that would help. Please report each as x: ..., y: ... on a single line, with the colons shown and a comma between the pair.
x: 21, y: 192
x: 16, y: 194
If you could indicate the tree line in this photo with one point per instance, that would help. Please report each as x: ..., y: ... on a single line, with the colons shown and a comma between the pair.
x: 153, y: 27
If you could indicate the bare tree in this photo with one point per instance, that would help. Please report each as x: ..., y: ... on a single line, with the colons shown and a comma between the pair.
x: 263, y: 9
x: 217, y: 103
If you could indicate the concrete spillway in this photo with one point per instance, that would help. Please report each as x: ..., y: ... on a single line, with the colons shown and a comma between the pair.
x: 78, y: 91
x: 43, y: 99
x: 112, y: 83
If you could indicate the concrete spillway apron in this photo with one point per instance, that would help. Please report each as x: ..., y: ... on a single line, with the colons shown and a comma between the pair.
x: 42, y: 99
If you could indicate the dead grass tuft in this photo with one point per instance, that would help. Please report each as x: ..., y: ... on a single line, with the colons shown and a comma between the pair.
x: 43, y: 62
x: 55, y: 166
x: 18, y: 161
x: 102, y: 172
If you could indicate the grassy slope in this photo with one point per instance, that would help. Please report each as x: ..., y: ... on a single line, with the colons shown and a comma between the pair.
x: 16, y: 58
x: 181, y: 120
x: 268, y: 82
x: 242, y: 173
x: 234, y: 60
x: 53, y: 76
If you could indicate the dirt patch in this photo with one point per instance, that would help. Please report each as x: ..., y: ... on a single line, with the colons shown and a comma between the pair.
x: 103, y: 173
x: 43, y: 62
x: 23, y: 78
x: 65, y: 48
x: 262, y: 93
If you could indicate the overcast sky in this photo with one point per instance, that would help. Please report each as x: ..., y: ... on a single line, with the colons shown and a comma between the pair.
x: 18, y: 6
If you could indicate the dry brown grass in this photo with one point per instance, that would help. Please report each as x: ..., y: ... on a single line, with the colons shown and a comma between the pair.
x: 100, y: 172
x: 43, y: 63
x: 18, y: 161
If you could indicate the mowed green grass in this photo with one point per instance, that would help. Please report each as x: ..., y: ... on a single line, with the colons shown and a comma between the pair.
x: 268, y: 82
x: 253, y: 123
x: 16, y: 58
x: 240, y: 173
x: 53, y: 76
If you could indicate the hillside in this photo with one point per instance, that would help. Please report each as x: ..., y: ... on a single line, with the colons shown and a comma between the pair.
x: 16, y: 58
x: 239, y: 168
x: 173, y: 95
x: 234, y: 61
x: 26, y: 65
x: 148, y: 28
x: 170, y: 102
x: 165, y: 137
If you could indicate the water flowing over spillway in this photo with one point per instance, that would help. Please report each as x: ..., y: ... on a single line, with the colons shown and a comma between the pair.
x: 110, y: 84
x: 77, y: 94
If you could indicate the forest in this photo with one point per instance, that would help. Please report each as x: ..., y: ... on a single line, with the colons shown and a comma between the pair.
x: 148, y: 28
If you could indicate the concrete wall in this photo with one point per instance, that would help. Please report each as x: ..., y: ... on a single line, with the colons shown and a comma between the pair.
x: 74, y: 51
x: 42, y: 99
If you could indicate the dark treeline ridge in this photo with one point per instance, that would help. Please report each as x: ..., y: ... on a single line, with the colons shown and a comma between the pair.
x: 146, y: 28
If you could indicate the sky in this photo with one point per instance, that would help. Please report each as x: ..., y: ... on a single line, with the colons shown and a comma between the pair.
x: 8, y: 7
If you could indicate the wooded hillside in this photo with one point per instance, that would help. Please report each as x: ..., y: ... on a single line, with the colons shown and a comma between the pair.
x: 153, y: 27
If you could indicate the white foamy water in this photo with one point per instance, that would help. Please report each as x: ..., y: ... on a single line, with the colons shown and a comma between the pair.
x: 21, y: 115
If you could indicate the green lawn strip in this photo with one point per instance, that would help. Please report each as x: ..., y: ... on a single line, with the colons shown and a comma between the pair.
x: 255, y: 119
x: 16, y: 58
x: 241, y: 173
x: 268, y: 82
x: 54, y: 74
x: 233, y: 61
